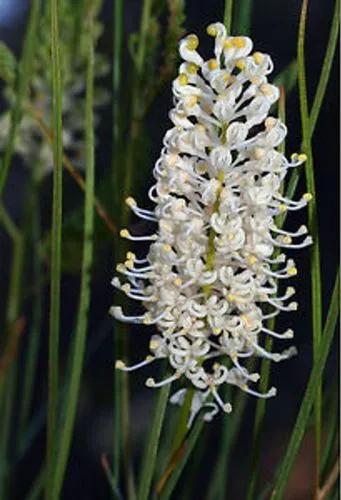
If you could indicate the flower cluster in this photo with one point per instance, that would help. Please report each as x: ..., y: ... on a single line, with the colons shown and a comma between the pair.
x: 210, y: 279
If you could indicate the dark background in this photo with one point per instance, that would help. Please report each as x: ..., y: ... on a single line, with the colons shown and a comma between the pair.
x: 274, y: 30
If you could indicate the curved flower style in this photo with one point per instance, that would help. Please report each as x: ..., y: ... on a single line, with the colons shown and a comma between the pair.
x: 210, y: 279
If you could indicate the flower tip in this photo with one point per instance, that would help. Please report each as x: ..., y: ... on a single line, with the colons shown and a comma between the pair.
x: 211, y: 30
x: 116, y: 312
x: 307, y: 197
x: 254, y: 377
x: 272, y: 392
x: 192, y: 42
x: 124, y: 233
x: 120, y: 365
x: 258, y: 57
x: 227, y: 408
x: 130, y: 201
x: 289, y: 334
x: 150, y: 382
x: 292, y: 271
x: 183, y: 79
x: 302, y: 157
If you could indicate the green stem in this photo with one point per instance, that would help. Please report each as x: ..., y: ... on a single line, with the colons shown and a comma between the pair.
x: 316, y: 293
x: 189, y: 446
x: 116, y: 86
x: 33, y: 343
x: 291, y: 188
x: 231, y: 427
x: 23, y: 78
x: 228, y: 16
x: 309, y: 395
x: 149, y: 460
x: 67, y: 426
x: 244, y: 15
x: 326, y: 68
x: 56, y: 243
x: 8, y: 380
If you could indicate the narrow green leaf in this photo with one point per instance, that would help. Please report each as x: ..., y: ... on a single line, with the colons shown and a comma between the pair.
x: 23, y: 77
x: 189, y: 446
x: 316, y: 291
x: 55, y: 277
x: 8, y: 64
x: 31, y: 356
x: 228, y: 12
x: 244, y: 17
x: 231, y: 427
x: 309, y: 395
x: 326, y: 68
x: 149, y: 459
x: 70, y: 405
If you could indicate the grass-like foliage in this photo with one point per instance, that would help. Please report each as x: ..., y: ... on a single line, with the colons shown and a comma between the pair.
x: 81, y: 107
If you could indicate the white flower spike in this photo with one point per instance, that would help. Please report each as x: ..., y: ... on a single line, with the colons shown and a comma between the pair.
x: 209, y: 281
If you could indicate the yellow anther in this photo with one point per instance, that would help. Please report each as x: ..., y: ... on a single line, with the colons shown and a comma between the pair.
x: 216, y: 331
x: 154, y: 344
x: 177, y: 282
x: 201, y: 168
x: 167, y: 247
x: 191, y: 101
x: 120, y: 365
x: 211, y: 30
x: 270, y: 122
x: 192, y: 68
x: 129, y: 264
x: 171, y: 159
x: 266, y: 89
x: 259, y: 153
x: 149, y: 358
x: 230, y: 237
x: 282, y: 208
x: 212, y: 64
x: 240, y: 64
x: 231, y: 297
x: 130, y: 201
x: 228, y: 44
x: 221, y: 176
x: 239, y: 42
x: 245, y: 319
x: 292, y: 271
x: 287, y: 240
x: 126, y: 288
x: 120, y: 268
x: 307, y: 196
x: 124, y: 233
x: 251, y: 259
x: 255, y: 80
x: 147, y: 319
x: 183, y: 79
x: 192, y: 42
x: 302, y: 157
x: 258, y: 57
x: 130, y: 256
x: 226, y: 76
